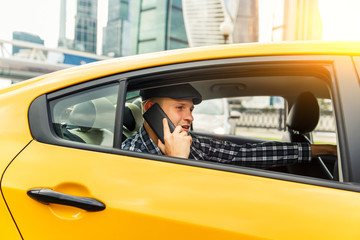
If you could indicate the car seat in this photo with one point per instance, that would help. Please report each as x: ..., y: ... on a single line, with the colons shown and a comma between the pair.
x: 302, y: 120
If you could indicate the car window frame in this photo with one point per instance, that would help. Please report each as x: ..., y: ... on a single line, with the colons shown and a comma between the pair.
x: 134, y: 79
x: 345, y: 100
x: 40, y: 122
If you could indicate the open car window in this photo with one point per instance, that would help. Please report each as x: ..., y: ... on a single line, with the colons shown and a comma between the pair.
x: 239, y: 98
x: 251, y: 105
x: 252, y: 116
x: 325, y: 131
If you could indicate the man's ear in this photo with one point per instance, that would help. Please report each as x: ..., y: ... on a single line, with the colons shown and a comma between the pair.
x: 148, y: 104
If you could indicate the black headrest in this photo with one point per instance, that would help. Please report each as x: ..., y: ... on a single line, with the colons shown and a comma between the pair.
x: 133, y: 119
x: 97, y: 113
x: 129, y: 120
x: 304, y: 114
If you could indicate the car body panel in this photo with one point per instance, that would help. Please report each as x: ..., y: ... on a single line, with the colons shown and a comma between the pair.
x: 162, y: 199
x: 14, y: 131
x: 14, y: 136
x: 210, y: 208
x: 8, y: 227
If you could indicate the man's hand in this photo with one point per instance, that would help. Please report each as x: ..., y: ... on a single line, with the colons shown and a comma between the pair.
x: 177, y: 144
x: 318, y: 150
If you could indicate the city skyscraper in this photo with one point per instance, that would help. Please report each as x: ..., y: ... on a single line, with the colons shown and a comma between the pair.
x: 204, y: 20
x: 246, y: 22
x: 26, y: 37
x: 142, y: 26
x: 86, y: 26
x: 64, y: 42
x: 302, y: 20
x: 157, y: 25
x: 116, y: 35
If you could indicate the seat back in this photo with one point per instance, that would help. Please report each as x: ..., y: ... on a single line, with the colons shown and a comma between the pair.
x: 302, y: 119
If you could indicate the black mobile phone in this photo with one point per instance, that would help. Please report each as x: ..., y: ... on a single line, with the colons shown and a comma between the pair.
x: 154, y: 117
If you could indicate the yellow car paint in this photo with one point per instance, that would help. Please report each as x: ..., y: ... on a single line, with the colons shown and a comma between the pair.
x: 182, y: 201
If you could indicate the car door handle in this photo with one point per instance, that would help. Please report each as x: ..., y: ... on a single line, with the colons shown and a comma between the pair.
x: 47, y: 196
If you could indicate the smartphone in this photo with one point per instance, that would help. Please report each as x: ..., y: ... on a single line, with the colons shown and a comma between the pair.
x: 154, y: 117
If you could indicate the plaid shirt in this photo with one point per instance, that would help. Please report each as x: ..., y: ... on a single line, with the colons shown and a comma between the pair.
x: 267, y: 154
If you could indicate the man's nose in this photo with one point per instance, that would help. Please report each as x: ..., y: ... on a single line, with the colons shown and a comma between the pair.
x: 189, y: 116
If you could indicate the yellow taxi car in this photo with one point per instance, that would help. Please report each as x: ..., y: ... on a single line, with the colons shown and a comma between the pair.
x: 65, y: 176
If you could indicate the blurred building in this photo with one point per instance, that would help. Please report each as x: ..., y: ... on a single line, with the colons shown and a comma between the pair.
x: 246, y: 22
x: 26, y: 37
x: 63, y: 42
x: 142, y: 26
x: 206, y: 21
x: 86, y: 26
x: 85, y: 35
x: 157, y: 25
x: 302, y: 20
x: 117, y: 33
x: 202, y: 21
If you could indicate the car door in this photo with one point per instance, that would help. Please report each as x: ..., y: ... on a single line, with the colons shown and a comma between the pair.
x: 147, y: 199
x: 126, y: 195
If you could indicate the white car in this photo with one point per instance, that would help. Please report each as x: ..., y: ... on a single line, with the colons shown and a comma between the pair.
x: 214, y: 116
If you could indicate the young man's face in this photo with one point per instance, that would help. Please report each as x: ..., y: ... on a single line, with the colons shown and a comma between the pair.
x: 179, y: 111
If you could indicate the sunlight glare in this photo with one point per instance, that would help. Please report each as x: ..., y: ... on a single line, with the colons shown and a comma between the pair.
x: 340, y: 19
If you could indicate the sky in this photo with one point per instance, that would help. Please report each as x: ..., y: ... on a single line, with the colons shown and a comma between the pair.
x: 42, y: 17
x: 341, y: 19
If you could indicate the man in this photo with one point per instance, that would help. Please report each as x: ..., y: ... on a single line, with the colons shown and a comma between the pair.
x: 178, y: 103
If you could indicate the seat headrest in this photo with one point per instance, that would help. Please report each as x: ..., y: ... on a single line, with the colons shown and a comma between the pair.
x: 97, y: 113
x: 133, y: 119
x: 83, y: 115
x: 105, y: 114
x: 304, y: 114
x: 100, y: 113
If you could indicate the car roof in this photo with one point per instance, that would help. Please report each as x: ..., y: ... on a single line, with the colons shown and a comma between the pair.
x: 107, y: 67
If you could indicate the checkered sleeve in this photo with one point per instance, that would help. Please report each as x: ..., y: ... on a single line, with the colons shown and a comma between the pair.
x: 265, y: 154
x: 132, y: 143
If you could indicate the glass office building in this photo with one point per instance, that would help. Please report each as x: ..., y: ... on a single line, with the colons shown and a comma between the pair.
x: 142, y: 26
x: 86, y: 26
x: 116, y: 35
x: 160, y: 26
x: 26, y: 37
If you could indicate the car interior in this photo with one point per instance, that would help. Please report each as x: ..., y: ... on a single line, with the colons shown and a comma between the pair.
x: 91, y: 120
x: 299, y: 86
